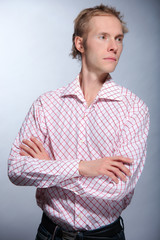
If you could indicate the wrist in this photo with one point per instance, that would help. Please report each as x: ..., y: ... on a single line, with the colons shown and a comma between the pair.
x: 80, y: 167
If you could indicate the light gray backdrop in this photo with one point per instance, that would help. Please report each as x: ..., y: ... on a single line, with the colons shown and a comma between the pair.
x: 35, y: 42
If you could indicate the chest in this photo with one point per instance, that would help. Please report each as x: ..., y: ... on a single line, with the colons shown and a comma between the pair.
x: 74, y: 129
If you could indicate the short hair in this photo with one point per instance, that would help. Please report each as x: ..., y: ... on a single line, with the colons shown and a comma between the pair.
x: 81, y: 24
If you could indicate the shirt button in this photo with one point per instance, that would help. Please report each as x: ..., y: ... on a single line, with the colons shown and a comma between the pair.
x: 82, y: 140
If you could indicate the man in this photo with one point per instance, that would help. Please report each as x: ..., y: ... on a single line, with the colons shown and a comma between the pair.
x: 83, y: 146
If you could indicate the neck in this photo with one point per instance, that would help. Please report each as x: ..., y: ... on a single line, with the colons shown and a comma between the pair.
x: 91, y: 84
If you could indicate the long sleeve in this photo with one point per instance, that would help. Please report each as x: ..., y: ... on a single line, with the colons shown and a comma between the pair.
x: 29, y: 171
x: 132, y: 144
x: 116, y: 124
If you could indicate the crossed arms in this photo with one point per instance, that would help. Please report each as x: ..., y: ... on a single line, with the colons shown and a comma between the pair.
x: 113, y: 167
x: 30, y: 161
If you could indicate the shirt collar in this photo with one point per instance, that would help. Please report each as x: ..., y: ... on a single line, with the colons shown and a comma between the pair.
x: 73, y: 89
x: 110, y: 90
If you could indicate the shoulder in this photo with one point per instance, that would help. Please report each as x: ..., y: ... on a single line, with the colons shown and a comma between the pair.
x: 52, y: 95
x: 132, y: 101
x: 50, y: 98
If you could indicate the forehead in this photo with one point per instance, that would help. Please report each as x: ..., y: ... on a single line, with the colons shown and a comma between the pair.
x: 108, y: 23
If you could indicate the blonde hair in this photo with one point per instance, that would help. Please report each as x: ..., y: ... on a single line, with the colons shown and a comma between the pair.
x: 81, y: 24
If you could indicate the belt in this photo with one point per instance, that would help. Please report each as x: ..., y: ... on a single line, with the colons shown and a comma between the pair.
x: 106, y: 231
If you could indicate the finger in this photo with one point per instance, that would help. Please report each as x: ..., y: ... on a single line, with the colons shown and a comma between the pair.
x: 119, y: 174
x: 122, y: 159
x: 38, y: 143
x: 31, y: 145
x: 112, y: 176
x: 122, y: 168
x: 28, y: 150
x: 23, y: 153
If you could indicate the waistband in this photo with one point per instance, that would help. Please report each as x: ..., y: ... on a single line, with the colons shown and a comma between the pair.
x: 105, y: 231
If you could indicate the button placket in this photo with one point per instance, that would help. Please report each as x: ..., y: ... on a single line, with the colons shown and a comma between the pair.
x: 82, y: 127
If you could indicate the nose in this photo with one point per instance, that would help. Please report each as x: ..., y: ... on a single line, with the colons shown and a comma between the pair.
x: 112, y: 46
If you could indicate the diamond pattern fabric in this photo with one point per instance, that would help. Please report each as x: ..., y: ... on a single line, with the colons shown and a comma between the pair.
x: 115, y: 124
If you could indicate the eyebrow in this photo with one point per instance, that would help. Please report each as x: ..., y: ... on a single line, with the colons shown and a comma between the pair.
x: 105, y: 33
x: 120, y: 35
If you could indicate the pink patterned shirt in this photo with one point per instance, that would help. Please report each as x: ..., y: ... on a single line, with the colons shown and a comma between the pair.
x: 115, y: 124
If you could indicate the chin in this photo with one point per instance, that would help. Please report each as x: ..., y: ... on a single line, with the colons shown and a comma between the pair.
x: 109, y: 70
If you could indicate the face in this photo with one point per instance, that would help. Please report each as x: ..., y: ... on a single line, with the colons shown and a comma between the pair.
x: 103, y: 46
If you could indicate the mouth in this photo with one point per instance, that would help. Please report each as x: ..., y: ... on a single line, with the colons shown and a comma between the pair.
x: 112, y: 59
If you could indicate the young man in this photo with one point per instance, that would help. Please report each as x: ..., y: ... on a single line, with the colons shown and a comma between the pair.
x: 83, y: 146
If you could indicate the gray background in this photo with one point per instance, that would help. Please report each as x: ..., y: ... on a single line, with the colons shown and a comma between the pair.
x: 35, y: 42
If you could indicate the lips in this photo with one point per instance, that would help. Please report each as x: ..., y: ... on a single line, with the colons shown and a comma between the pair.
x: 110, y: 59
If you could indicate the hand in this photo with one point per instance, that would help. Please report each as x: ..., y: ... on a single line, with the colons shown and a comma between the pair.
x: 33, y: 148
x: 113, y: 167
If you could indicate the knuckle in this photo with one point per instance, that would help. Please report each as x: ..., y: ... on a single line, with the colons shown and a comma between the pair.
x: 23, y: 147
x: 110, y: 174
x: 117, y: 171
x: 34, y: 140
x: 26, y: 141
x: 120, y: 165
x: 126, y: 170
x: 40, y: 144
x: 101, y: 171
x: 37, y: 142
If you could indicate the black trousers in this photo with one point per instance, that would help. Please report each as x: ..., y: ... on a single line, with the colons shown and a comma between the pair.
x: 49, y: 231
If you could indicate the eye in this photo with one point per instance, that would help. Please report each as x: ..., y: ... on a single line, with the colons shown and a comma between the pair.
x: 102, y: 37
x: 119, y: 39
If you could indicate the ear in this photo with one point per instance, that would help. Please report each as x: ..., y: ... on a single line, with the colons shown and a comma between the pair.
x: 79, y: 44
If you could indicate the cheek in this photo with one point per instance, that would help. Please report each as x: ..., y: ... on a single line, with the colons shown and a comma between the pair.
x: 120, y: 50
x: 92, y: 53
